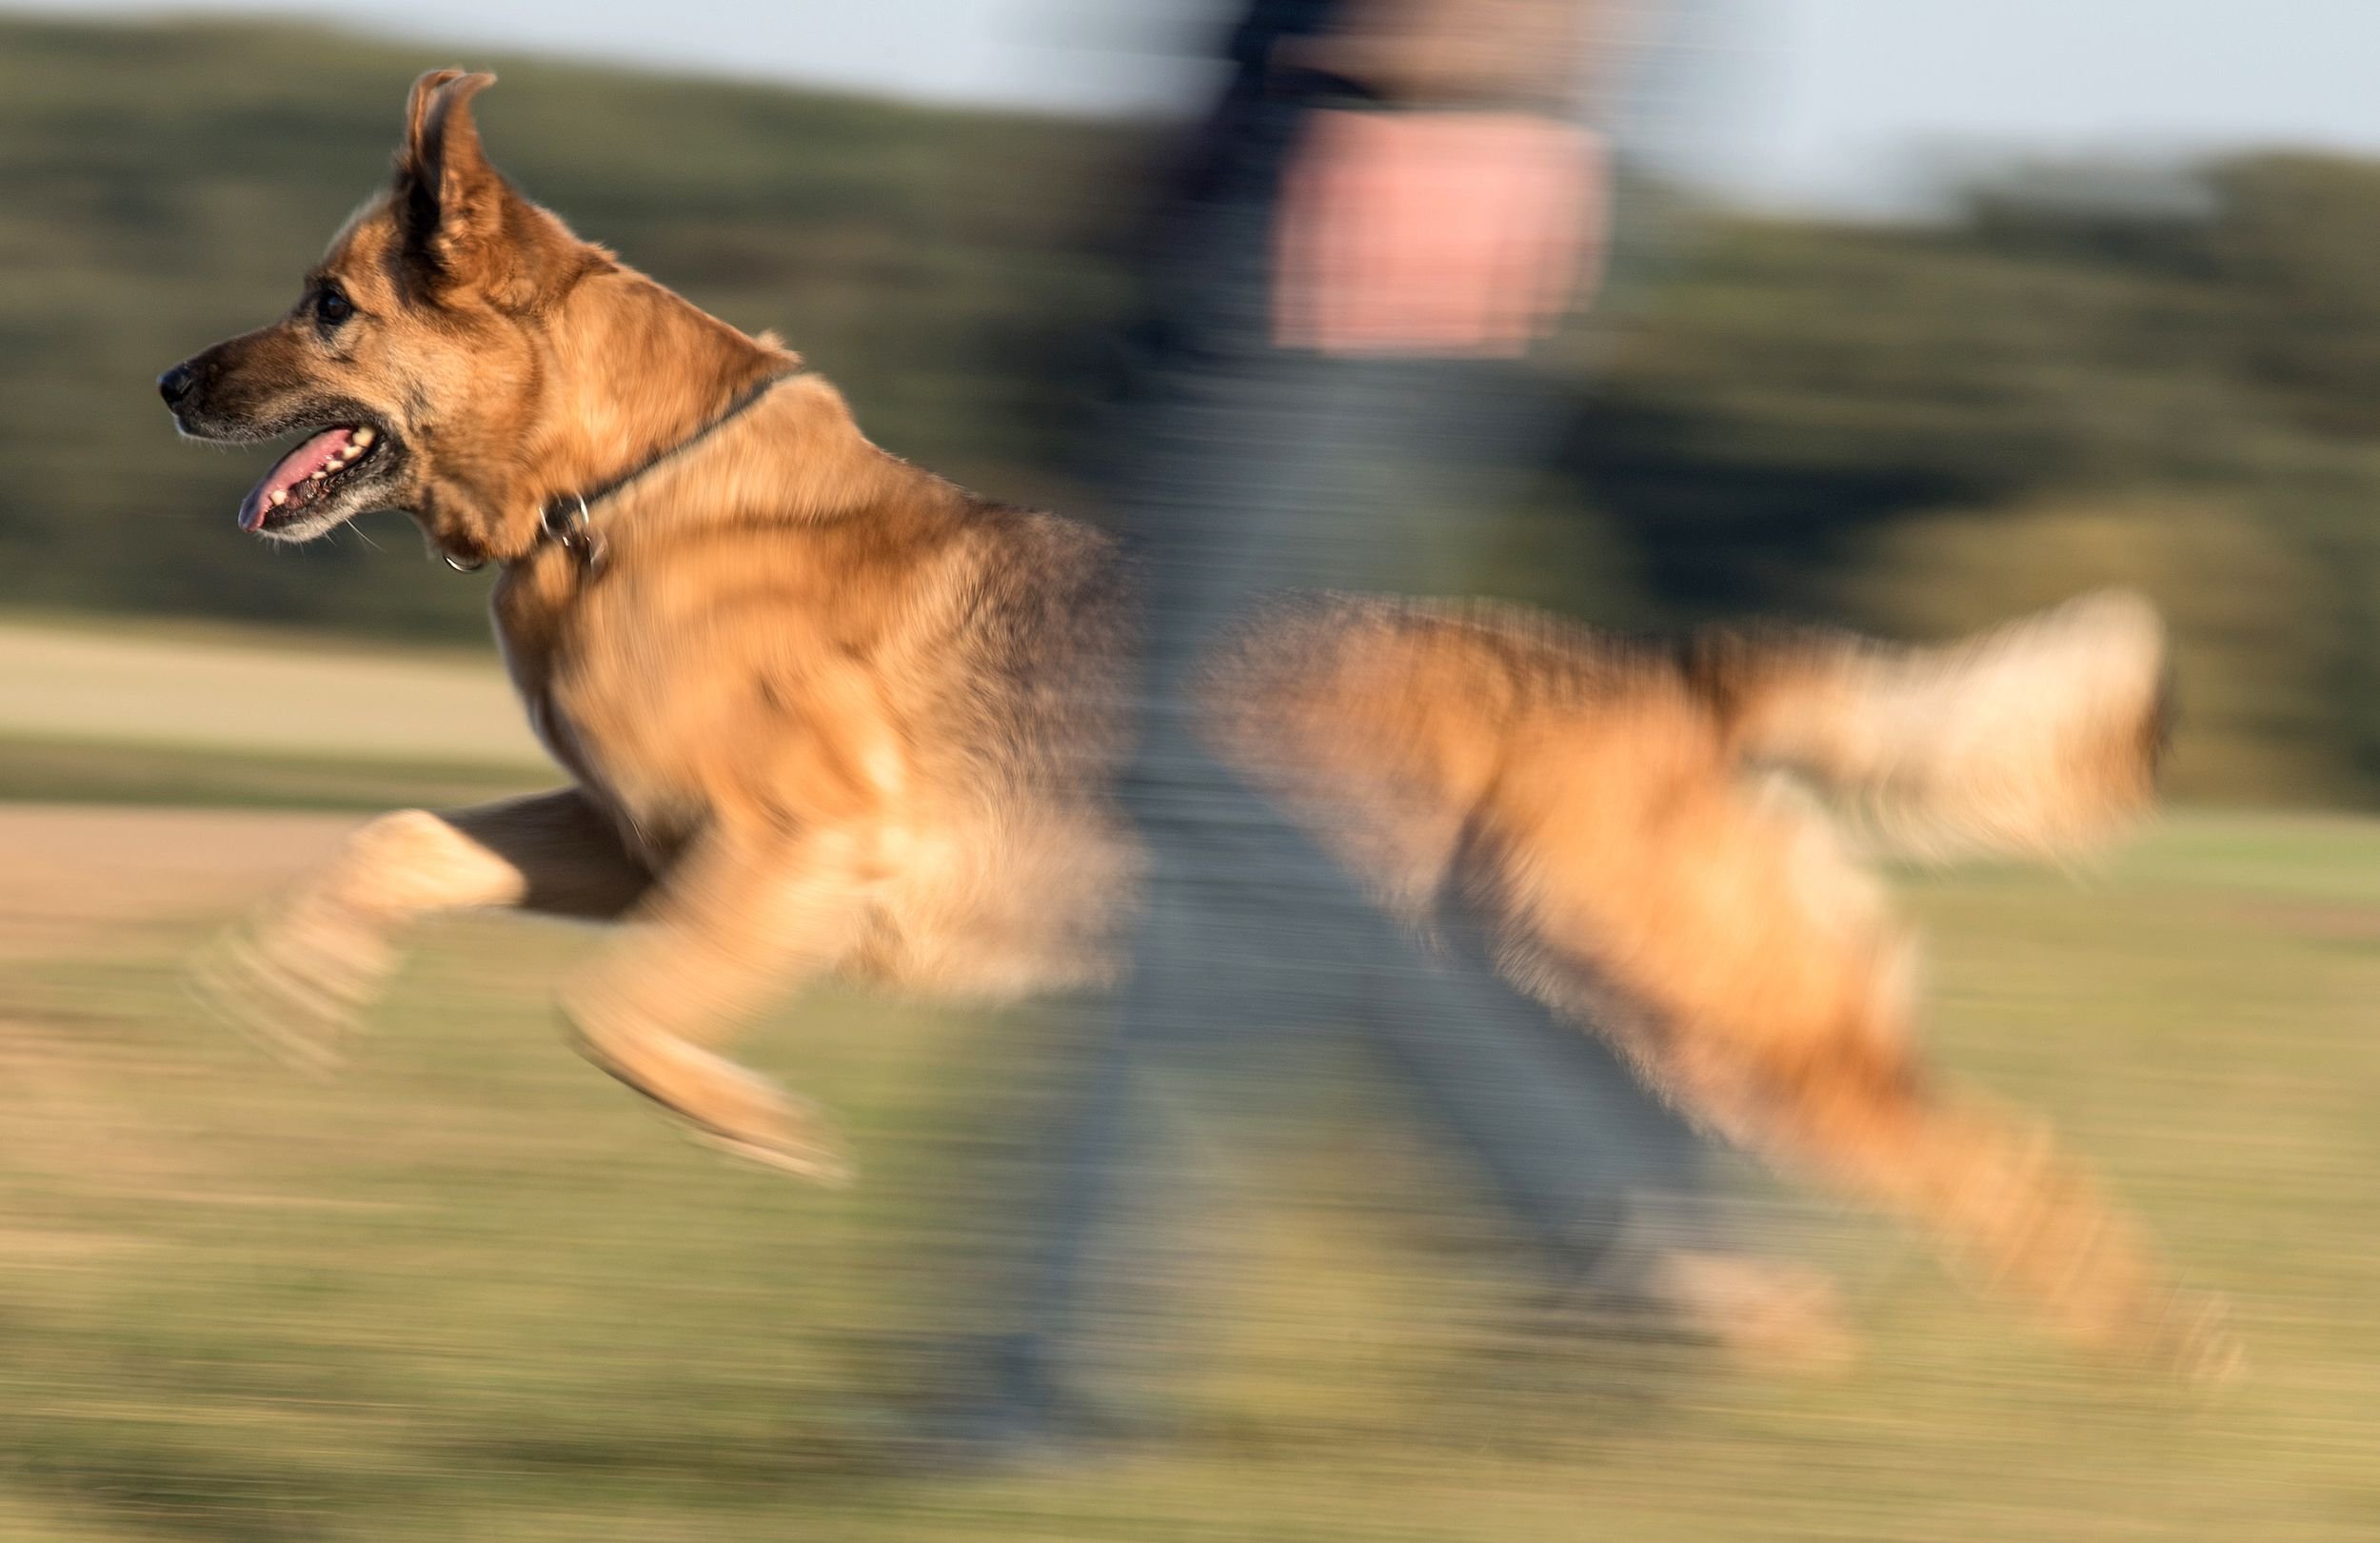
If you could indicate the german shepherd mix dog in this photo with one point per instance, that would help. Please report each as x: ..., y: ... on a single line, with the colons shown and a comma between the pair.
x: 823, y: 712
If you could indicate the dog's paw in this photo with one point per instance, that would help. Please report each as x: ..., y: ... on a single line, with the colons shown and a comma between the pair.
x: 1773, y: 1315
x: 801, y: 1145
x: 720, y: 1104
x: 296, y: 996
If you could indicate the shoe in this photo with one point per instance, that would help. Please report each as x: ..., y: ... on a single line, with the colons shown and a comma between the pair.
x: 1771, y: 1314
x: 1022, y: 1420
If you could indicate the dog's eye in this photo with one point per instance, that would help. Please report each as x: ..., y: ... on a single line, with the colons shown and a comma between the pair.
x: 331, y: 306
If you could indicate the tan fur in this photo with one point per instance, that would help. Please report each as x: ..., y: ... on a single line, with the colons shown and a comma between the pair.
x: 826, y: 713
x: 1613, y: 812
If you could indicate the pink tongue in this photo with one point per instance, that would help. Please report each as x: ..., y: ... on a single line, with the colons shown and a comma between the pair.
x: 294, y: 468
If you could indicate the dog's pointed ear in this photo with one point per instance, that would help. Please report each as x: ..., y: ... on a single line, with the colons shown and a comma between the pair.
x: 451, y: 205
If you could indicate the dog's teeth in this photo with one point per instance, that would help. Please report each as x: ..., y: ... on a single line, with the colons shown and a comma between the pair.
x: 280, y: 496
x: 363, y: 437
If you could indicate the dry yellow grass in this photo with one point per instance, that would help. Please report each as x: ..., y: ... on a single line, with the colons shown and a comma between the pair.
x: 256, y: 693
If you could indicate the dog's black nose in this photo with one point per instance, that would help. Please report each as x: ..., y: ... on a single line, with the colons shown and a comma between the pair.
x: 177, y: 384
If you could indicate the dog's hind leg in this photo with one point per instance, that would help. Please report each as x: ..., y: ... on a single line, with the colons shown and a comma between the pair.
x: 1777, y: 998
x: 743, y: 916
x: 2004, y: 1203
x: 297, y: 977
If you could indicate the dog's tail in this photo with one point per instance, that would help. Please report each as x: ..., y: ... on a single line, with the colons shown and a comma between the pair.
x: 2035, y: 738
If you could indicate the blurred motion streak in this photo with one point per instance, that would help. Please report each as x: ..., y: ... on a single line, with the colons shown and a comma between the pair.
x: 1255, y: 1016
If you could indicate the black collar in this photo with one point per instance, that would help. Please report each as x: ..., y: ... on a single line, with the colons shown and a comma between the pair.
x: 566, y: 519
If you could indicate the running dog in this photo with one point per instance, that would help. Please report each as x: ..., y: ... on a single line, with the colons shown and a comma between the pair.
x: 824, y: 713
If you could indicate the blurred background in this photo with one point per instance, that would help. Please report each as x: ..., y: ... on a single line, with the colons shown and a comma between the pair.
x: 1921, y: 316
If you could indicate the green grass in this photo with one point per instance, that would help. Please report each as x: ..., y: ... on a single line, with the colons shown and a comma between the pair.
x: 472, y: 1291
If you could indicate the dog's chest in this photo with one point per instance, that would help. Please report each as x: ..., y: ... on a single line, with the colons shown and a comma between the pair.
x: 547, y: 652
x: 531, y: 608
x: 676, y: 716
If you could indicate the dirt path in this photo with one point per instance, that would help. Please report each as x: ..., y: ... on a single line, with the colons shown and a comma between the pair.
x: 71, y: 874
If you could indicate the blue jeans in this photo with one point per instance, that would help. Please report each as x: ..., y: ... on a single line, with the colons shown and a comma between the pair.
x: 1238, y: 469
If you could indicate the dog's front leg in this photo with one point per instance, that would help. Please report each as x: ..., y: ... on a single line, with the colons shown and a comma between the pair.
x: 298, y: 976
x: 745, y: 915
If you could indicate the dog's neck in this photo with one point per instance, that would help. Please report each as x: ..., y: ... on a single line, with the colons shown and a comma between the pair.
x: 631, y: 373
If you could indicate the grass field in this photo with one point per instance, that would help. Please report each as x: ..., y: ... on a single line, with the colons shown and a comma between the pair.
x: 472, y: 1291
x: 119, y: 712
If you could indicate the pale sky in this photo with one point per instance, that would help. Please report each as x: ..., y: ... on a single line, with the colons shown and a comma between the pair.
x: 1841, y: 104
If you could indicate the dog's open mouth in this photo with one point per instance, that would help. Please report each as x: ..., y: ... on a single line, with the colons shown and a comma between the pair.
x: 309, y: 475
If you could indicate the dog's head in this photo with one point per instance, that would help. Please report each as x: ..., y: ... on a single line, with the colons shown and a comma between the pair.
x: 410, y: 365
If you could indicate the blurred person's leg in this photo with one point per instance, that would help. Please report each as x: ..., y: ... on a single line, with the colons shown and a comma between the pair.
x: 1248, y: 468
